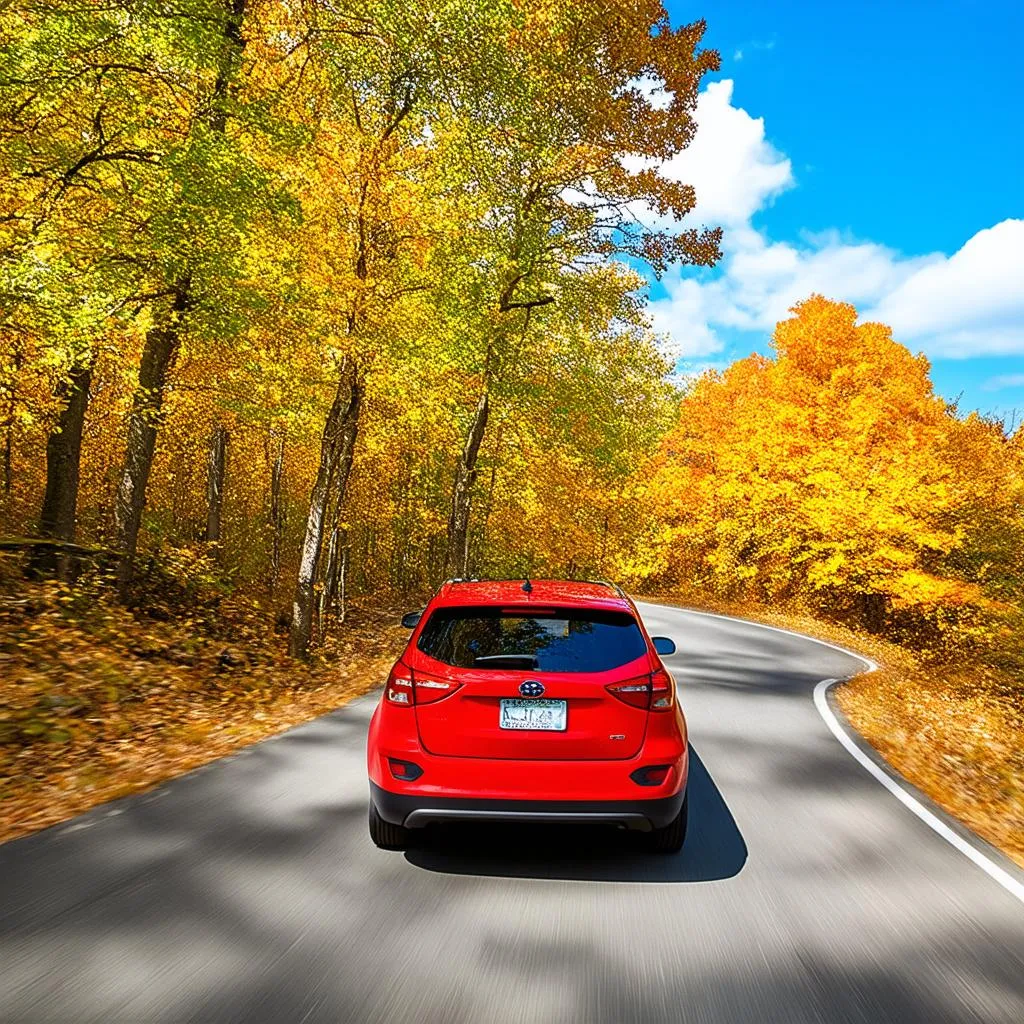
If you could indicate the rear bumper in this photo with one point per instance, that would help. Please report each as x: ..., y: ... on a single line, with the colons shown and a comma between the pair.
x: 505, y: 789
x: 421, y: 809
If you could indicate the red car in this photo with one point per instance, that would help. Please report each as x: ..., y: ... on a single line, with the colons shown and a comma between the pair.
x: 542, y: 701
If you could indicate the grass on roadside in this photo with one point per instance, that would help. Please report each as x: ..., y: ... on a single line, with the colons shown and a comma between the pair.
x: 97, y: 702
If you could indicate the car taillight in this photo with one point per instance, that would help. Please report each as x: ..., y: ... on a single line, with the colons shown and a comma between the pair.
x: 406, y: 687
x: 663, y: 691
x: 654, y: 692
x: 407, y: 771
x: 426, y: 689
x: 399, y: 687
x: 635, y: 692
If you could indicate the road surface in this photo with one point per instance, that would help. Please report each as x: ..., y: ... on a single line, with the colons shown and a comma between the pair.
x: 249, y: 890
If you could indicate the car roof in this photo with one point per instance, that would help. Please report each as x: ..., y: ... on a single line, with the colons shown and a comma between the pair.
x: 572, y: 593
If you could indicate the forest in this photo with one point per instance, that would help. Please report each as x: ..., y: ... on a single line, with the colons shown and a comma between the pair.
x: 315, y: 303
x: 336, y: 296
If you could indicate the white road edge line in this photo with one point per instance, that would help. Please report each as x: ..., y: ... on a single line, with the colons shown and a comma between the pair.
x: 939, y: 827
x: 993, y: 870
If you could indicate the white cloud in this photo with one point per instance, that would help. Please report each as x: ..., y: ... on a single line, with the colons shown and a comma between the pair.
x: 761, y: 280
x: 688, y: 371
x: 653, y: 90
x: 1004, y: 382
x: 970, y: 303
x: 730, y: 163
x: 754, y: 44
x: 685, y: 321
x: 955, y: 306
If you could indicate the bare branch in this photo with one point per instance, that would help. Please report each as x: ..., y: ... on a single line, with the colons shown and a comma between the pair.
x: 545, y: 300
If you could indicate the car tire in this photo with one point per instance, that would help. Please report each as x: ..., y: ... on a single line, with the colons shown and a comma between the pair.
x: 385, y: 835
x: 671, y: 837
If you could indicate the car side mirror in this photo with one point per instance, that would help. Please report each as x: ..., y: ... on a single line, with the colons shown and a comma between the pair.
x: 664, y: 645
x: 410, y: 620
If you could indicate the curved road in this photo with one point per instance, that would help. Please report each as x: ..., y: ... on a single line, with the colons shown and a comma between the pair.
x: 249, y: 890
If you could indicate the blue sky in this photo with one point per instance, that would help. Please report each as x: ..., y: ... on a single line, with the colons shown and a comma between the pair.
x: 872, y: 152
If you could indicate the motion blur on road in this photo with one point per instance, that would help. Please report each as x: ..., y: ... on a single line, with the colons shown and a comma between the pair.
x: 249, y: 890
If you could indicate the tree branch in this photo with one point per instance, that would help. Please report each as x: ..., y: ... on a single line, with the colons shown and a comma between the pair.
x: 545, y: 300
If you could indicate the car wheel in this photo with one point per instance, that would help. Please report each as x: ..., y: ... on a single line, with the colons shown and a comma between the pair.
x: 670, y: 839
x: 385, y: 835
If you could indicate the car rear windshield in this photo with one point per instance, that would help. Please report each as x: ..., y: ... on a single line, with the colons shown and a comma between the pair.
x: 559, y: 640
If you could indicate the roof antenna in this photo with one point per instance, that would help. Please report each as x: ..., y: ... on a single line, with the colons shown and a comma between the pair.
x: 527, y: 587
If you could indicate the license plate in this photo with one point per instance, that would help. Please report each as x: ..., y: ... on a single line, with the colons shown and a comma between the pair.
x: 546, y: 715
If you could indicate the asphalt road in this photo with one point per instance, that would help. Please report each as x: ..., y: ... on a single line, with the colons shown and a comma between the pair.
x: 249, y: 890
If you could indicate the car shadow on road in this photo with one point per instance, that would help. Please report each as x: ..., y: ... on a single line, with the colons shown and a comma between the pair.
x: 714, y: 847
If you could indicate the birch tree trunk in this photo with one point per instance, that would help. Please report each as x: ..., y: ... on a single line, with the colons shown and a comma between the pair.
x: 341, y: 582
x: 457, y: 557
x: 216, y: 466
x: 327, y: 591
x: 276, y: 514
x: 336, y: 450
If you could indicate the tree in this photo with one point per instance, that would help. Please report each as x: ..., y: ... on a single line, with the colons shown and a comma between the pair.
x: 565, y: 145
x: 832, y: 475
x: 186, y: 278
x: 360, y: 180
x: 119, y: 133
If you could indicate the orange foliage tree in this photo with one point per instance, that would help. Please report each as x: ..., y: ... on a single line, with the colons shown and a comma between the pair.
x: 832, y: 475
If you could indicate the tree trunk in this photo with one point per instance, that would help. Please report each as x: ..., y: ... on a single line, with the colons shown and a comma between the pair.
x: 604, y: 546
x: 234, y: 45
x: 330, y: 573
x: 276, y: 514
x: 158, y: 354
x: 872, y: 608
x: 9, y: 431
x: 489, y: 507
x: 8, y: 452
x: 215, y: 483
x: 341, y: 582
x: 161, y: 344
x: 336, y: 451
x: 338, y: 533
x: 347, y: 445
x: 64, y: 455
x: 457, y: 557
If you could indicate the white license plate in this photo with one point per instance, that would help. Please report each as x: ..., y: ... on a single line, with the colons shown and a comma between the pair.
x: 546, y: 715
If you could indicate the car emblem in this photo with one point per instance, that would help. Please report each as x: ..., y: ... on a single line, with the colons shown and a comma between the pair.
x: 531, y: 688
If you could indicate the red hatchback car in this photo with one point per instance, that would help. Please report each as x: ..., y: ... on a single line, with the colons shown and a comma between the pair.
x: 541, y: 701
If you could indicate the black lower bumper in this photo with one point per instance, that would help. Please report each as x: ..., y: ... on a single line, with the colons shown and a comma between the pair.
x: 417, y: 811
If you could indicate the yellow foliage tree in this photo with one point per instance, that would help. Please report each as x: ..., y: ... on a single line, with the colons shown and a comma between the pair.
x: 833, y: 475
